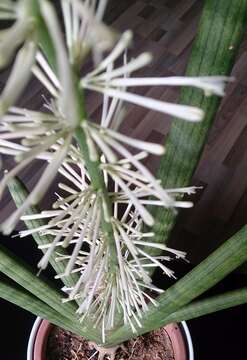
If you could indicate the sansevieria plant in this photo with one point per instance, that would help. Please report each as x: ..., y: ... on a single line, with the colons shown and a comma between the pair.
x: 108, y: 229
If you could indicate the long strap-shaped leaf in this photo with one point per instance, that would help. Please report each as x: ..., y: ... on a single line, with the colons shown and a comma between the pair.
x: 25, y: 300
x: 220, y: 31
x: 208, y: 306
x: 21, y: 273
x: 19, y: 193
x: 220, y: 263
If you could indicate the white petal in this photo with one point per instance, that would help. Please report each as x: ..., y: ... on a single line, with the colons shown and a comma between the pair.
x: 47, y: 69
x: 13, y: 37
x: 152, y: 148
x: 43, y: 79
x: 19, y: 76
x: 66, y: 8
x: 101, y: 9
x: 38, y: 191
x: 67, y: 101
x: 135, y: 64
x: 34, y: 152
x: 115, y: 53
x: 9, y: 175
x: 185, y: 112
x: 167, y: 271
x: 67, y: 188
x: 110, y: 113
x: 111, y: 157
x: 12, y: 145
x: 80, y: 241
x: 184, y: 204
x: 210, y: 84
x: 75, y: 22
x: 40, y: 216
x: 93, y: 32
x: 124, y: 152
x: 147, y: 217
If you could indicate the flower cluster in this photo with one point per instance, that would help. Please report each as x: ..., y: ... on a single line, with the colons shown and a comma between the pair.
x: 84, y: 29
x: 108, y: 283
x: 76, y: 222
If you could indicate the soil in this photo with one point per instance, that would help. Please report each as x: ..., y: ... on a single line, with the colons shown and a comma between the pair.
x: 63, y: 345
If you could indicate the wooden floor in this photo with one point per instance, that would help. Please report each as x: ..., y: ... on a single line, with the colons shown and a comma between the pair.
x: 167, y: 29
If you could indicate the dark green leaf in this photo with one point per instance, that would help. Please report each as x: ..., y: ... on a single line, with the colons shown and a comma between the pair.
x: 214, y: 268
x: 208, y: 306
x: 25, y: 300
x: 221, y: 28
x: 19, y: 193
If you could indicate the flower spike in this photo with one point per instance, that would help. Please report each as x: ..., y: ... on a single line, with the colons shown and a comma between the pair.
x: 102, y: 212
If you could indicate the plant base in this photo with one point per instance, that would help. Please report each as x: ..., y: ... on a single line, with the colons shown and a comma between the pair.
x: 64, y: 345
x: 48, y: 342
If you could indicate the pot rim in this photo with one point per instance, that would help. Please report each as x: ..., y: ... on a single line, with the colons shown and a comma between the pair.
x: 183, y: 326
x: 32, y: 337
x: 189, y: 343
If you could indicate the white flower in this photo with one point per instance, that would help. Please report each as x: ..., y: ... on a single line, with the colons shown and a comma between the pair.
x: 39, y: 132
x: 42, y: 131
x: 85, y: 30
x: 211, y: 85
x: 19, y: 77
x: 83, y: 210
x: 43, y: 135
x: 21, y: 30
x: 67, y: 98
x: 76, y: 221
x: 132, y: 173
x: 19, y: 34
x: 41, y: 186
x: 102, y: 294
x: 113, y: 83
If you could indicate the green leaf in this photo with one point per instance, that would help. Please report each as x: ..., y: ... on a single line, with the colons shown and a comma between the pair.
x: 21, y: 273
x: 215, y: 48
x: 25, y: 300
x: 214, y: 268
x: 19, y: 193
x: 208, y: 306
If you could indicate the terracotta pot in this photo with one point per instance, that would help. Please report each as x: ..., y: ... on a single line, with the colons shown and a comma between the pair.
x: 179, y: 335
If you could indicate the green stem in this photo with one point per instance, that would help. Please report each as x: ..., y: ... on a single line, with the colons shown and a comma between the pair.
x: 95, y: 173
x: 98, y: 183
x: 42, y: 33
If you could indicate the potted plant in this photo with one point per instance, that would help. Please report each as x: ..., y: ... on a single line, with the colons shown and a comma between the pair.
x: 105, y: 232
